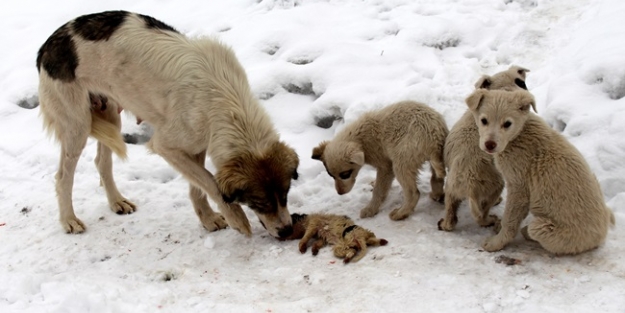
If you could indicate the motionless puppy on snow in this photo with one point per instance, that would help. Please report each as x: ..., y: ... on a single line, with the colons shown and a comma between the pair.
x: 193, y: 92
x: 396, y: 140
x: 471, y: 172
x: 349, y: 240
x: 544, y: 175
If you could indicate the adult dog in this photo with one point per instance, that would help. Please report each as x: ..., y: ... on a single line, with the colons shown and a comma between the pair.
x: 193, y: 92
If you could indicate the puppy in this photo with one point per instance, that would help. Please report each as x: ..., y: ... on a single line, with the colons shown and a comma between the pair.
x: 396, y: 140
x: 544, y: 175
x: 349, y: 240
x: 471, y: 172
x: 195, y: 95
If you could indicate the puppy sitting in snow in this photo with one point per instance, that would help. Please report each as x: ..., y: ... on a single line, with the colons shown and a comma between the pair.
x: 471, y: 172
x: 544, y: 175
x: 350, y: 241
x: 396, y: 140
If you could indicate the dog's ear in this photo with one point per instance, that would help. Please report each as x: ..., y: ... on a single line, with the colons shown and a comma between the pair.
x: 484, y: 82
x: 357, y: 157
x: 519, y: 70
x: 317, y: 153
x: 526, y: 101
x: 231, y: 181
x: 474, y: 101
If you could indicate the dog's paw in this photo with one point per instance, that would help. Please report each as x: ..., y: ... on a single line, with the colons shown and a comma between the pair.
x: 493, y: 244
x: 303, y: 246
x: 123, y: 206
x: 438, y: 197
x: 73, y: 225
x: 237, y: 219
x: 490, y: 220
x: 447, y: 225
x: 368, y: 212
x: 214, y: 222
x: 399, y: 214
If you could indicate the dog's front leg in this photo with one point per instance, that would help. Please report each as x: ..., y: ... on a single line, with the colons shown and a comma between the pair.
x: 198, y: 176
x: 517, y: 209
x: 383, y: 180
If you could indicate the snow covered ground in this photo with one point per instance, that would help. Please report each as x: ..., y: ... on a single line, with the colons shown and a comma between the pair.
x: 312, y: 61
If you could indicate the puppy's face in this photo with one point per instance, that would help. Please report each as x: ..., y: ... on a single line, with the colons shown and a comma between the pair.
x: 499, y: 115
x: 262, y: 183
x: 342, y: 160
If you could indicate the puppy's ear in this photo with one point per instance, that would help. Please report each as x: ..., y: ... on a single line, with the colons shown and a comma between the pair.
x: 474, y: 101
x: 231, y: 181
x: 527, y: 100
x: 357, y: 157
x: 519, y: 70
x: 317, y: 153
x: 484, y: 82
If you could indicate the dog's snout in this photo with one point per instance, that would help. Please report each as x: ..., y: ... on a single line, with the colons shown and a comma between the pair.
x: 285, y: 231
x: 490, y: 145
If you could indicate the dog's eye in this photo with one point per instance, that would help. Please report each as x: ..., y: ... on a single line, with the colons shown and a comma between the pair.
x: 484, y: 122
x: 507, y: 124
x: 345, y: 175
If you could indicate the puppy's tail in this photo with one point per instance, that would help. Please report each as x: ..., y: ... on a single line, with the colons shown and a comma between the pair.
x: 612, y: 219
x: 108, y: 134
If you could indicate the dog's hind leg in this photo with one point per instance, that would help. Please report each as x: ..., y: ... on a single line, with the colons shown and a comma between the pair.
x: 212, y: 221
x: 66, y: 112
x: 437, y: 180
x: 104, y: 163
x: 198, y: 176
x: 407, y: 177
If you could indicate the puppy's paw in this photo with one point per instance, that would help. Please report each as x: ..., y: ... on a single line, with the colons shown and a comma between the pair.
x: 73, y: 225
x: 438, y: 197
x: 368, y: 212
x: 236, y: 219
x: 123, y: 206
x: 303, y: 246
x: 447, y: 224
x: 491, y: 220
x: 214, y: 222
x: 493, y: 244
x: 399, y: 214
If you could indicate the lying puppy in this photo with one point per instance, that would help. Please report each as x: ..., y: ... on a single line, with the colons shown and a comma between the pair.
x: 471, y: 172
x: 544, y: 175
x: 350, y: 241
x: 396, y: 140
x: 195, y: 95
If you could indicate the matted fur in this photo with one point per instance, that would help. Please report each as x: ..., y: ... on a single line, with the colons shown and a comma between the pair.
x: 471, y: 172
x: 193, y: 92
x: 544, y: 174
x: 349, y: 240
x: 396, y: 140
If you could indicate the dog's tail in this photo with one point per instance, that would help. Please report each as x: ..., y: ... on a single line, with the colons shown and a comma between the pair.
x: 108, y: 134
x: 612, y: 219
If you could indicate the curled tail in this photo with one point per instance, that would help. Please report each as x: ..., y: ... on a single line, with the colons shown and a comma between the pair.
x: 108, y: 134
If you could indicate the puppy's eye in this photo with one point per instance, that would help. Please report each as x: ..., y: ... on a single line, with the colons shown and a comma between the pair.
x: 484, y: 121
x: 507, y: 124
x: 345, y: 175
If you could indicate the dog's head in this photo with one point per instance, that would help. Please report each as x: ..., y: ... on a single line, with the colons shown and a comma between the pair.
x: 342, y: 160
x: 262, y: 182
x: 510, y: 80
x: 499, y: 115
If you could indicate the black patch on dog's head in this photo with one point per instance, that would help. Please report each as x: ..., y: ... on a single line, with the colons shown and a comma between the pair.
x: 151, y: 22
x: 348, y: 229
x: 519, y: 82
x: 58, y: 55
x: 99, y: 26
x: 296, y: 217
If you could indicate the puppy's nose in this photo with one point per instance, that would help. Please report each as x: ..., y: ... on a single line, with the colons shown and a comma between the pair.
x: 285, y: 232
x: 490, y: 145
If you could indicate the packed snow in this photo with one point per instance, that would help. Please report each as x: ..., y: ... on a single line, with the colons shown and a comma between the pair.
x: 317, y: 65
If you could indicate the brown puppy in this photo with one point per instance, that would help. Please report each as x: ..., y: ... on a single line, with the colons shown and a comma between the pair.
x: 350, y: 241
x: 193, y: 92
x: 471, y: 172
x: 544, y: 175
x: 396, y: 140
